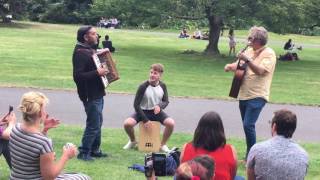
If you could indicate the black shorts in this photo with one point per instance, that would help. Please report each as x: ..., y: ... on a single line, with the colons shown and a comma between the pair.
x: 161, y: 116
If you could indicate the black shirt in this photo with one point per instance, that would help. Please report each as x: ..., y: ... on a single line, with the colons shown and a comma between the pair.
x: 85, y: 74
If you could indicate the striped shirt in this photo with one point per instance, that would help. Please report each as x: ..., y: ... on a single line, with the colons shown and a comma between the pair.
x: 25, y: 151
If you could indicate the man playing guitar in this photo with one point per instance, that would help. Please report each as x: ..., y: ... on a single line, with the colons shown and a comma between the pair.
x: 255, y: 88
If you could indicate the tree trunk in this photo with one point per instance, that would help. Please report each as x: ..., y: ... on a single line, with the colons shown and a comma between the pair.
x: 215, y: 24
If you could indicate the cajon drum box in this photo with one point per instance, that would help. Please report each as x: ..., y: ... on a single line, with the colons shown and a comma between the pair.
x: 149, y: 139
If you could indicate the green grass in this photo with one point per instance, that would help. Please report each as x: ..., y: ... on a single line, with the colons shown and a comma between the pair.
x: 39, y: 55
x: 116, y: 166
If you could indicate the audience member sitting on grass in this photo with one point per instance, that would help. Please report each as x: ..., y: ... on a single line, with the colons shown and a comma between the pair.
x: 108, y: 44
x: 290, y: 52
x: 289, y: 57
x: 288, y: 45
x: 199, y: 168
x: 209, y: 139
x: 197, y: 34
x: 6, y: 125
x: 205, y: 35
x: 279, y: 157
x: 31, y: 151
x: 184, y: 34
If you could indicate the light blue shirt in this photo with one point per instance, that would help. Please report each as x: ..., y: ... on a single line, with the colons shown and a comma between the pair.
x: 278, y: 158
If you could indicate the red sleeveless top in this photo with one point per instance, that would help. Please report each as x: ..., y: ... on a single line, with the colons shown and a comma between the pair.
x: 223, y: 157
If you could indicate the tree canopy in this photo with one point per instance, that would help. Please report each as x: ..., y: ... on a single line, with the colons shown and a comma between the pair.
x: 279, y: 16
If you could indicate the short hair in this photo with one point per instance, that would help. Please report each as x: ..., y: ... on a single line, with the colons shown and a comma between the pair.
x: 209, y: 133
x: 207, y: 162
x: 83, y: 31
x: 31, y: 104
x: 201, y: 166
x: 230, y: 32
x: 157, y: 67
x: 106, y: 37
x: 260, y: 34
x: 285, y: 121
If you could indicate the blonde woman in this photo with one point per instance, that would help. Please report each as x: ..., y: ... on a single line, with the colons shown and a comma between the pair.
x: 31, y: 151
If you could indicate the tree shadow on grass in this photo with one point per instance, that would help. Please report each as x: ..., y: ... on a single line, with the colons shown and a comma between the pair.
x: 18, y: 25
x: 205, y: 55
x: 31, y: 25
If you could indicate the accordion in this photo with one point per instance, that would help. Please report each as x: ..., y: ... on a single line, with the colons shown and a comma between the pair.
x: 105, y: 60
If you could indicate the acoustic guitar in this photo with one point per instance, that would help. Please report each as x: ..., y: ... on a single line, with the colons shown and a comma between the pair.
x: 238, y: 76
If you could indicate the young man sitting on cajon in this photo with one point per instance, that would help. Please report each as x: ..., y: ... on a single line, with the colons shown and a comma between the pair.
x: 151, y: 98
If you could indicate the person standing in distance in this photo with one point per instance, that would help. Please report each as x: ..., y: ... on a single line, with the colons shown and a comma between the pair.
x: 90, y: 90
x: 255, y: 87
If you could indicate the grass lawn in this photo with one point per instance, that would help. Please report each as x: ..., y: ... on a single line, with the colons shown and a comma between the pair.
x: 116, y: 167
x: 39, y: 55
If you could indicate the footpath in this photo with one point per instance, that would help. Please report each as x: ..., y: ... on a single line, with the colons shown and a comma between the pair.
x: 66, y: 106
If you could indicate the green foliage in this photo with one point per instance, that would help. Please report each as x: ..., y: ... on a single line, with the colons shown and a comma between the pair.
x: 66, y: 11
x: 16, y: 8
x: 312, y: 17
x: 280, y: 16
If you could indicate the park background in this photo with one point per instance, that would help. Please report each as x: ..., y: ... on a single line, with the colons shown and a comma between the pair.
x: 38, y: 55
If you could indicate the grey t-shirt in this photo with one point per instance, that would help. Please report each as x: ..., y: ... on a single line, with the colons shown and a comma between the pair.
x: 152, y: 97
x: 278, y: 158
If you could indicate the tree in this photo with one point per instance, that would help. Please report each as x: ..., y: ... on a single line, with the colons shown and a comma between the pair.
x: 280, y: 16
x: 14, y: 8
x: 67, y: 11
x: 132, y: 12
x: 312, y: 14
x: 216, y: 12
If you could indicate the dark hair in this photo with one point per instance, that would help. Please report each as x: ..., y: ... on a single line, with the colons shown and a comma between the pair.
x: 209, y: 133
x: 231, y: 32
x: 106, y: 37
x: 286, y: 122
x: 201, y: 166
x: 83, y: 31
x: 207, y: 162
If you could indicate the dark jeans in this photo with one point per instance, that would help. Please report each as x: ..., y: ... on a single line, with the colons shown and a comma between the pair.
x: 4, y: 149
x: 250, y: 111
x: 91, y: 138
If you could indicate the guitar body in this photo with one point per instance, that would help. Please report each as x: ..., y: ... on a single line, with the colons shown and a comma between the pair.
x: 237, y: 79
